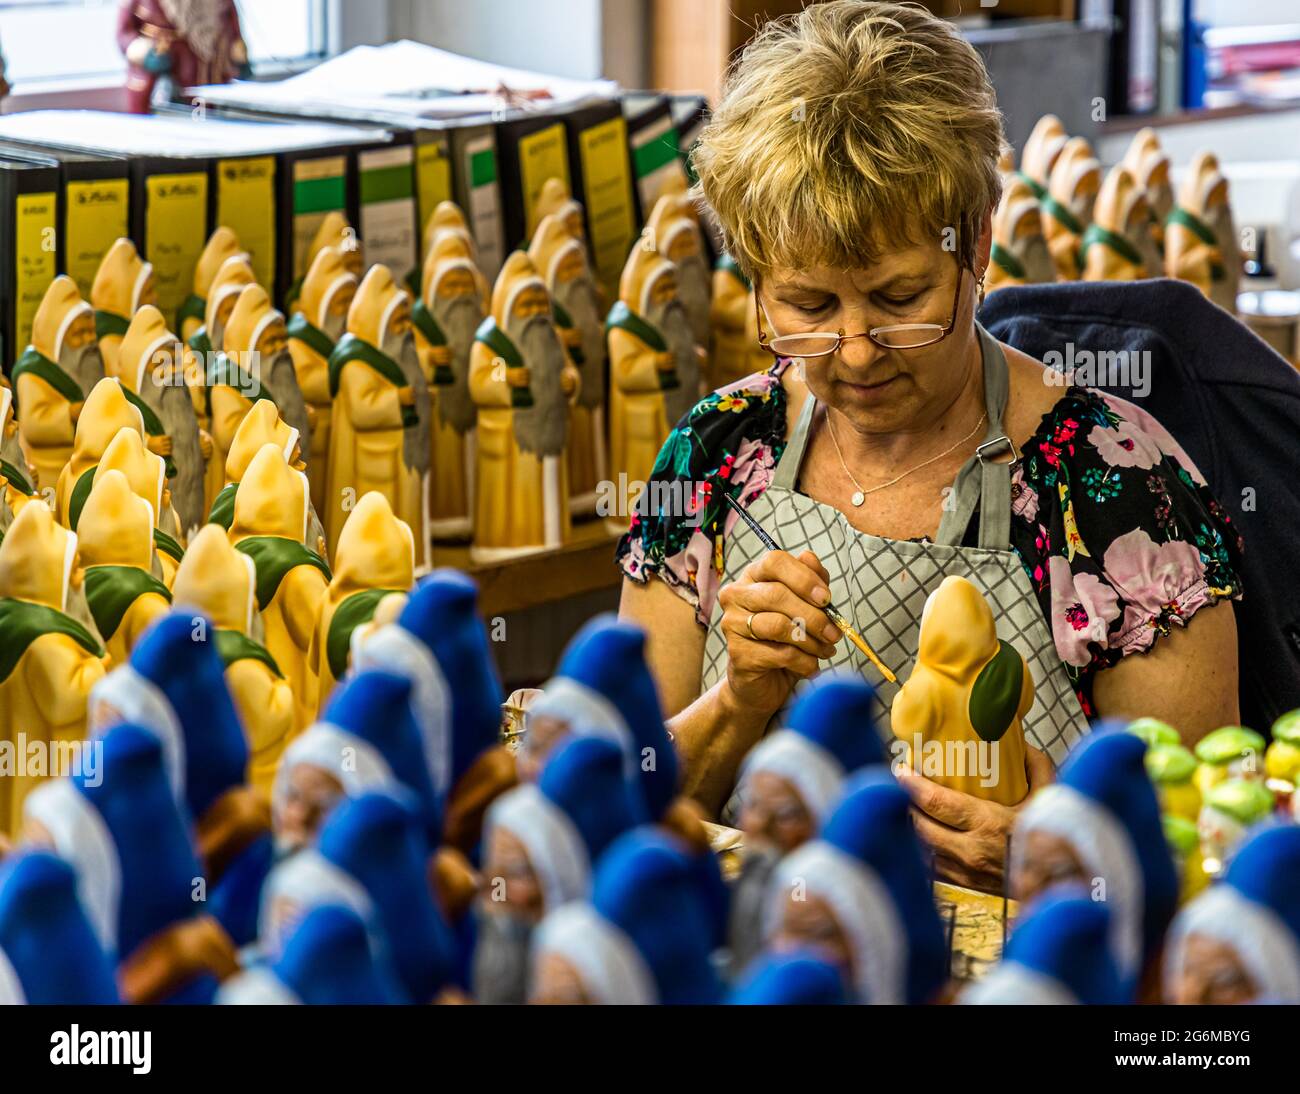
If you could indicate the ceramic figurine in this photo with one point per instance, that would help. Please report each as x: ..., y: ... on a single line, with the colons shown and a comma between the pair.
x: 522, y: 383
x: 969, y: 691
x: 575, y: 304
x: 1185, y: 847
x: 146, y: 474
x: 191, y: 44
x: 53, y: 376
x: 1153, y: 731
x: 222, y: 582
x: 232, y: 276
x: 677, y: 238
x: 106, y: 411
x: 555, y: 200
x: 270, y: 524
x: 654, y: 364
x: 1200, y: 237
x: 375, y: 557
x: 1118, y: 245
x: 1229, y: 752
x: 221, y: 245
x: 1042, y: 149
x: 1172, y: 768
x: 1282, y: 758
x: 1019, y: 254
x: 1148, y: 164
x: 151, y: 367
x: 1230, y: 808
x: 123, y: 583
x: 334, y: 231
x: 1068, y: 206
x: 380, y: 424
x: 734, y: 352
x: 123, y: 283
x: 314, y: 329
x: 450, y: 311
x: 16, y: 476
x: 53, y: 656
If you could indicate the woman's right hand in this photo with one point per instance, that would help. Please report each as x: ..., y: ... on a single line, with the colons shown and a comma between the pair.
x: 776, y: 631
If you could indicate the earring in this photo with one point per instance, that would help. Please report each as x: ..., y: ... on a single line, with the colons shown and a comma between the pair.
x: 981, y: 289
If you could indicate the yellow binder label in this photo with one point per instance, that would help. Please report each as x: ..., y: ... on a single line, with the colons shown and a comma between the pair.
x: 542, y: 155
x: 246, y: 205
x: 432, y: 180
x: 96, y: 215
x: 34, y: 247
x: 175, y: 228
x: 607, y: 182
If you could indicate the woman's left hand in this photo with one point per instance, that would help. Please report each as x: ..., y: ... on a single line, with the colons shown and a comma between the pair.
x: 968, y: 835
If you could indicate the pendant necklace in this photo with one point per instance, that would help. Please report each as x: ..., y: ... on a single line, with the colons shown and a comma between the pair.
x: 860, y: 495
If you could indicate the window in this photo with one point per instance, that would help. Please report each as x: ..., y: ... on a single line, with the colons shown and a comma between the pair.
x: 279, y: 34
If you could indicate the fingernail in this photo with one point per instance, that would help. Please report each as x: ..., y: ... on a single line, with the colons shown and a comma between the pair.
x: 820, y: 596
x: 831, y: 632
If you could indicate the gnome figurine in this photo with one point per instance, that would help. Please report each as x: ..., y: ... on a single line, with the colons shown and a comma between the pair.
x: 333, y: 231
x: 562, y: 262
x: 1149, y: 166
x: 1118, y: 244
x: 522, y: 382
x: 232, y: 276
x: 1200, y: 237
x: 314, y: 329
x: 1068, y: 206
x: 677, y: 238
x: 555, y: 200
x: 221, y: 245
x: 735, y: 352
x: 123, y: 283
x: 260, y: 425
x: 53, y: 376
x: 380, y: 425
x: 1042, y: 150
x: 53, y: 654
x: 107, y: 410
x: 16, y: 477
x: 449, y: 312
x: 969, y: 692
x: 1019, y: 254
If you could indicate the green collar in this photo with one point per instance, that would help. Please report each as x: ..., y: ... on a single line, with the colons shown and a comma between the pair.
x: 22, y: 622
x: 423, y: 321
x: 275, y: 556
x: 624, y: 318
x: 225, y: 372
x: 492, y: 336
x: 223, y: 506
x: 1007, y: 261
x: 200, y: 343
x: 192, y: 307
x: 111, y: 590
x: 40, y: 366
x: 1062, y: 215
x: 310, y: 336
x: 1040, y: 191
x: 16, y: 478
x: 1097, y: 234
x: 110, y: 323
x: 1203, y: 232
x: 168, y: 546
x: 235, y: 646
x: 356, y: 609
x: 351, y: 348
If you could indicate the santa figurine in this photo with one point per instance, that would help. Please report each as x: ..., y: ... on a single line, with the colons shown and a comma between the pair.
x: 192, y: 42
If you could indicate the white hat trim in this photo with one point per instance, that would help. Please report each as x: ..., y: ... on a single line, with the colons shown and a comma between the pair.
x: 530, y: 282
x: 322, y: 745
x: 307, y: 879
x: 612, y: 970
x: 588, y: 714
x: 69, y: 557
x: 257, y: 987
x: 11, y: 988
x: 259, y: 328
x: 139, y: 700
x: 563, y: 251
x: 398, y: 298
x: 146, y: 271
x: 143, y: 362
x: 554, y: 845
x: 322, y: 313
x: 445, y: 266
x: 663, y: 266
x: 78, y: 309
x: 1012, y: 984
x: 814, y: 772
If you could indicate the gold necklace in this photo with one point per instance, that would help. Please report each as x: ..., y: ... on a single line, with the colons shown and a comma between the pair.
x: 860, y: 495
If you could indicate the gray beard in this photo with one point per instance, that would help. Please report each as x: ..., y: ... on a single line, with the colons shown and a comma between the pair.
x: 171, y: 402
x: 86, y: 366
x: 578, y: 298
x: 415, y: 440
x: 695, y: 287
x: 334, y: 326
x: 671, y: 321
x: 1147, y: 247
x: 459, y: 318
x: 78, y: 608
x: 281, y: 381
x: 542, y: 428
x: 1037, y: 260
x: 500, y: 968
x: 11, y: 451
x: 749, y: 904
x: 198, y: 22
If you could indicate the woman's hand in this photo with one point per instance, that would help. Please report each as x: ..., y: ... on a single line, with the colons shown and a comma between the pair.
x: 776, y: 630
x: 968, y: 835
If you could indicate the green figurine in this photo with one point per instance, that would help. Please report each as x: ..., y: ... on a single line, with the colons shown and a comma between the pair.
x: 1230, y: 808
x: 1228, y: 752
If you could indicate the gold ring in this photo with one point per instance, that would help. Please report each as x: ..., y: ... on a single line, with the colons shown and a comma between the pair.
x: 749, y: 626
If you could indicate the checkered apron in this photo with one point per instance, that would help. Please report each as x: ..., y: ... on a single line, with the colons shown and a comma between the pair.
x: 881, y: 584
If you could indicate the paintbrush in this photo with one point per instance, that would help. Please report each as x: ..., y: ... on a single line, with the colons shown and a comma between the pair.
x: 836, y: 617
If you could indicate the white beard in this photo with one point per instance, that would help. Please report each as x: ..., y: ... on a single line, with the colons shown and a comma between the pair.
x: 281, y: 381
x: 415, y: 440
x: 334, y: 326
x: 171, y: 402
x: 670, y: 320
x: 199, y: 23
x: 578, y: 298
x: 86, y: 366
x: 459, y: 318
x: 543, y: 428
x: 695, y: 287
x: 1035, y: 256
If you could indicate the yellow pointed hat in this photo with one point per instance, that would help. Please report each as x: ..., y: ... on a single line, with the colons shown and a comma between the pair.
x: 59, y: 308
x: 643, y: 268
x: 516, y: 275
x: 378, y: 298
x: 554, y: 199
x: 116, y: 524
x: 261, y: 425
x: 144, y: 470
x: 376, y: 550
x: 447, y: 216
x: 1042, y: 148
x: 449, y: 250
x: 335, y: 231
x: 119, y: 285
x: 36, y: 558
x: 327, y: 275
x: 216, y: 579
x: 106, y: 411
x: 1204, y: 185
x: 234, y: 273
x: 1077, y: 168
x: 1146, y: 160
x: 252, y: 318
x: 272, y: 499
x: 221, y: 245
x: 146, y: 344
x: 552, y: 244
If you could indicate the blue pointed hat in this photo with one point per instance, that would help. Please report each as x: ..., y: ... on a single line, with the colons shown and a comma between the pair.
x: 644, y: 886
x: 1266, y: 870
x: 794, y: 979
x: 377, y: 838
x: 375, y: 706
x: 328, y: 961
x: 608, y: 656
x: 585, y: 777
x: 442, y: 612
x: 156, y: 857
x: 47, y: 945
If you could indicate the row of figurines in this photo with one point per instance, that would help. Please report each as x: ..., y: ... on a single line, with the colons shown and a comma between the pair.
x: 480, y: 412
x: 1059, y: 219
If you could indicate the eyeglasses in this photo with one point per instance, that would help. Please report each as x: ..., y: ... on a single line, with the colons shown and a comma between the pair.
x: 824, y: 343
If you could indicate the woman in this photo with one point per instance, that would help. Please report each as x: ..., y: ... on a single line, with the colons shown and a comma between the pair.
x: 852, y: 168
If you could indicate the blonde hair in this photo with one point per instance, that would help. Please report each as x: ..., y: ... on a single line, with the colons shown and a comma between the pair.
x: 849, y: 126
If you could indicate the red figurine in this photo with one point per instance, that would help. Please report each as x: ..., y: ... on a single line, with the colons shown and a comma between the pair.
x: 191, y: 41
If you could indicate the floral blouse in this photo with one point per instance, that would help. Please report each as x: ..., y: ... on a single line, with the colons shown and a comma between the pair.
x: 1115, y: 526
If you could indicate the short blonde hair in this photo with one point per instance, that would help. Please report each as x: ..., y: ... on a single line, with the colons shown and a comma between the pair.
x: 849, y: 126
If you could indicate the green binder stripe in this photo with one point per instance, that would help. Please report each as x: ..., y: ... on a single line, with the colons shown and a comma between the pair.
x: 483, y: 168
x: 319, y: 195
x: 387, y: 183
x: 655, y: 153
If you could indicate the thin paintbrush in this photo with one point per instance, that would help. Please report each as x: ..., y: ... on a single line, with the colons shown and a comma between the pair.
x: 844, y: 625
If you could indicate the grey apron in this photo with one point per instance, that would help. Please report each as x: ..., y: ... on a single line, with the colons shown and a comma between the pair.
x: 881, y: 584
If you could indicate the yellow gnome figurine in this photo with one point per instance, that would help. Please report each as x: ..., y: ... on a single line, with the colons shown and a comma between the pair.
x: 261, y: 425
x: 734, y: 352
x: 50, y: 655
x: 146, y: 475
x: 123, y: 283
x: 107, y: 410
x: 1118, y: 245
x: 231, y: 278
x: 677, y: 238
x: 221, y: 582
x: 1042, y: 149
x: 123, y: 588
x: 521, y: 381
x: 575, y: 303
x: 271, y: 523
x: 380, y: 424
x: 53, y: 377
x: 314, y: 329
x: 554, y: 200
x: 192, y: 314
x: 1067, y: 208
x: 1149, y: 166
x: 16, y: 478
x: 375, y: 558
x: 1200, y: 237
x: 1019, y: 253
x: 333, y: 231
x: 960, y: 712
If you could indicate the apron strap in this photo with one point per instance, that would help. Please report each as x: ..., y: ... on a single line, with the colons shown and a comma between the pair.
x: 787, y: 468
x: 985, y: 479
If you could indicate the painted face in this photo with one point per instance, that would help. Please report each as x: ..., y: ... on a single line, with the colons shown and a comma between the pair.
x: 312, y: 793
x: 544, y: 733
x: 1047, y: 860
x: 664, y: 290
x: 456, y: 282
x: 531, y: 302
x: 556, y: 982
x: 274, y: 340
x: 1212, y: 975
x: 80, y: 332
x: 149, y: 292
x: 570, y: 267
x: 510, y: 885
x: 807, y: 921
x: 774, y: 813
